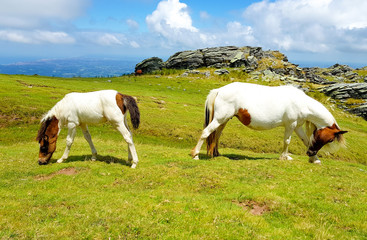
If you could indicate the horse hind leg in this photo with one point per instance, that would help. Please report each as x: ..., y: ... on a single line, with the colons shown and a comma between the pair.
x: 213, y: 141
x: 88, y: 137
x: 205, y: 134
x: 129, y: 156
x: 129, y: 140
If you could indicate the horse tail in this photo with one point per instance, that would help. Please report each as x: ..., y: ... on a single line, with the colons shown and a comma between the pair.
x: 211, y: 146
x: 127, y: 102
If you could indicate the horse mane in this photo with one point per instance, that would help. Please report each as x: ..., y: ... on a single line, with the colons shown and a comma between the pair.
x: 45, y: 122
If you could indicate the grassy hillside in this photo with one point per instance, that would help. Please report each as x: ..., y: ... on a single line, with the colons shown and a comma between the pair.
x: 244, y: 194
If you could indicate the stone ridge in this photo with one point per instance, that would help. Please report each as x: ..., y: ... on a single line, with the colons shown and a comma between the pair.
x: 346, y: 85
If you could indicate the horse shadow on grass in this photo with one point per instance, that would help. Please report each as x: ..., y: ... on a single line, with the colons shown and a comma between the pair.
x: 235, y: 157
x: 100, y: 158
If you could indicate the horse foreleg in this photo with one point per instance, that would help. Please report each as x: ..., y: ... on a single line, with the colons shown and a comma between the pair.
x: 129, y: 140
x: 69, y: 141
x: 206, y: 132
x: 303, y: 136
x: 287, y: 140
x: 89, y: 140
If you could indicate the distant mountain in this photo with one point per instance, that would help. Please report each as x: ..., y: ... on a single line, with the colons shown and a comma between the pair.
x: 71, y: 67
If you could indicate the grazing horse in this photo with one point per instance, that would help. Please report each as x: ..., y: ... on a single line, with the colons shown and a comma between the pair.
x: 80, y: 109
x: 262, y: 107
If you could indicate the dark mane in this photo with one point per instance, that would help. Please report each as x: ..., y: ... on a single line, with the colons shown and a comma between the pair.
x: 41, y: 132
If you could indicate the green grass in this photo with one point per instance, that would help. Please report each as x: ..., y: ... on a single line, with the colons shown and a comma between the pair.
x: 169, y: 195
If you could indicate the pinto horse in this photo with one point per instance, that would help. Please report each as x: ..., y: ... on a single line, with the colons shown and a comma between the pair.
x: 262, y: 107
x: 80, y: 109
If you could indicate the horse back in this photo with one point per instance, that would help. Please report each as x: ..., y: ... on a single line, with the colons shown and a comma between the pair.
x: 90, y: 107
x: 263, y: 107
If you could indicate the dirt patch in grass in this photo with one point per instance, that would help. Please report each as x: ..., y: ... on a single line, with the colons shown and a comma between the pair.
x: 65, y: 171
x: 254, y: 207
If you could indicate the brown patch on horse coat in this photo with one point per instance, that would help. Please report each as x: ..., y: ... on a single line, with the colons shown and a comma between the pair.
x: 244, y: 116
x: 120, y: 102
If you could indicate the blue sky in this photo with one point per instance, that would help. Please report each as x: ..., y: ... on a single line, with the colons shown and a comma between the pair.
x: 327, y: 31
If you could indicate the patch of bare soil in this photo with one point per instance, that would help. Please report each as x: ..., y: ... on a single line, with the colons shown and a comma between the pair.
x: 254, y: 207
x: 65, y: 171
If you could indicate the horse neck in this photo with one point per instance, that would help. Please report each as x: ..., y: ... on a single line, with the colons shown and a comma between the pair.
x: 319, y: 115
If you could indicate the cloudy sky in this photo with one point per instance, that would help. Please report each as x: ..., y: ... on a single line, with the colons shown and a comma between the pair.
x: 305, y: 30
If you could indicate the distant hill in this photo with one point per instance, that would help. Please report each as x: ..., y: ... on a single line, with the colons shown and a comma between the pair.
x: 71, y: 67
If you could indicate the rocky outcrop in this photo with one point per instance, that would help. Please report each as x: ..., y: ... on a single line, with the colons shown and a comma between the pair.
x: 185, y: 60
x: 360, y: 111
x: 217, y: 57
x: 344, y: 91
x: 342, y: 83
x: 149, y: 65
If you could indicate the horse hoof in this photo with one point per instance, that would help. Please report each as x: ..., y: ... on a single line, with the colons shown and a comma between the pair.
x: 196, y: 157
x: 60, y: 160
x: 133, y: 166
x: 286, y: 158
x: 317, y: 161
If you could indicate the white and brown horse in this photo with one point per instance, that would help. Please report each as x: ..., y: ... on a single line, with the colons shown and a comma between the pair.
x: 262, y: 107
x: 80, y: 109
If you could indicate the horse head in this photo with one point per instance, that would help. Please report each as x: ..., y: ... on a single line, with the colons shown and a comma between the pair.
x: 325, y: 136
x: 47, y: 137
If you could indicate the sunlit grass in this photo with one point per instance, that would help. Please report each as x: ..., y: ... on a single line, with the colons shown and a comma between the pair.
x: 169, y: 195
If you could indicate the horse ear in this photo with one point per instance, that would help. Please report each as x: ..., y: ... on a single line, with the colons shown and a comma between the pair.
x: 341, y: 132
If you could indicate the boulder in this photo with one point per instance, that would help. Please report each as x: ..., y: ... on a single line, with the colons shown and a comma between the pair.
x: 360, y: 111
x: 185, y: 60
x: 221, y: 72
x: 149, y: 65
x: 343, y: 91
x: 220, y: 56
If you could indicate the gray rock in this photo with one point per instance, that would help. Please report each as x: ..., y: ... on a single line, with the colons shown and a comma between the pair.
x: 186, y: 60
x: 343, y: 91
x: 360, y: 111
x: 221, y: 72
x: 150, y: 65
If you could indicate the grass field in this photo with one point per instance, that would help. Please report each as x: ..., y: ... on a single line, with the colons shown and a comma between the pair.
x: 247, y: 193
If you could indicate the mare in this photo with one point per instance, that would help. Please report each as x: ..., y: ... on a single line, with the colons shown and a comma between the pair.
x: 263, y: 107
x: 80, y: 109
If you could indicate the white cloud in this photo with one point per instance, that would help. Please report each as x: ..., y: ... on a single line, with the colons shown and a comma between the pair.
x: 133, y: 25
x: 204, y: 15
x: 134, y: 44
x: 171, y: 16
x: 307, y: 25
x: 108, y: 39
x: 34, y: 13
x: 36, y: 37
x: 102, y: 38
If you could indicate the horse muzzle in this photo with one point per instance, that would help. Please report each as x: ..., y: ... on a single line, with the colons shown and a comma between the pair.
x: 42, y: 162
x: 311, y: 153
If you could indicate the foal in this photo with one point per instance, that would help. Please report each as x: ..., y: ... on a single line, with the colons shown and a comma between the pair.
x: 262, y: 107
x: 80, y: 109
